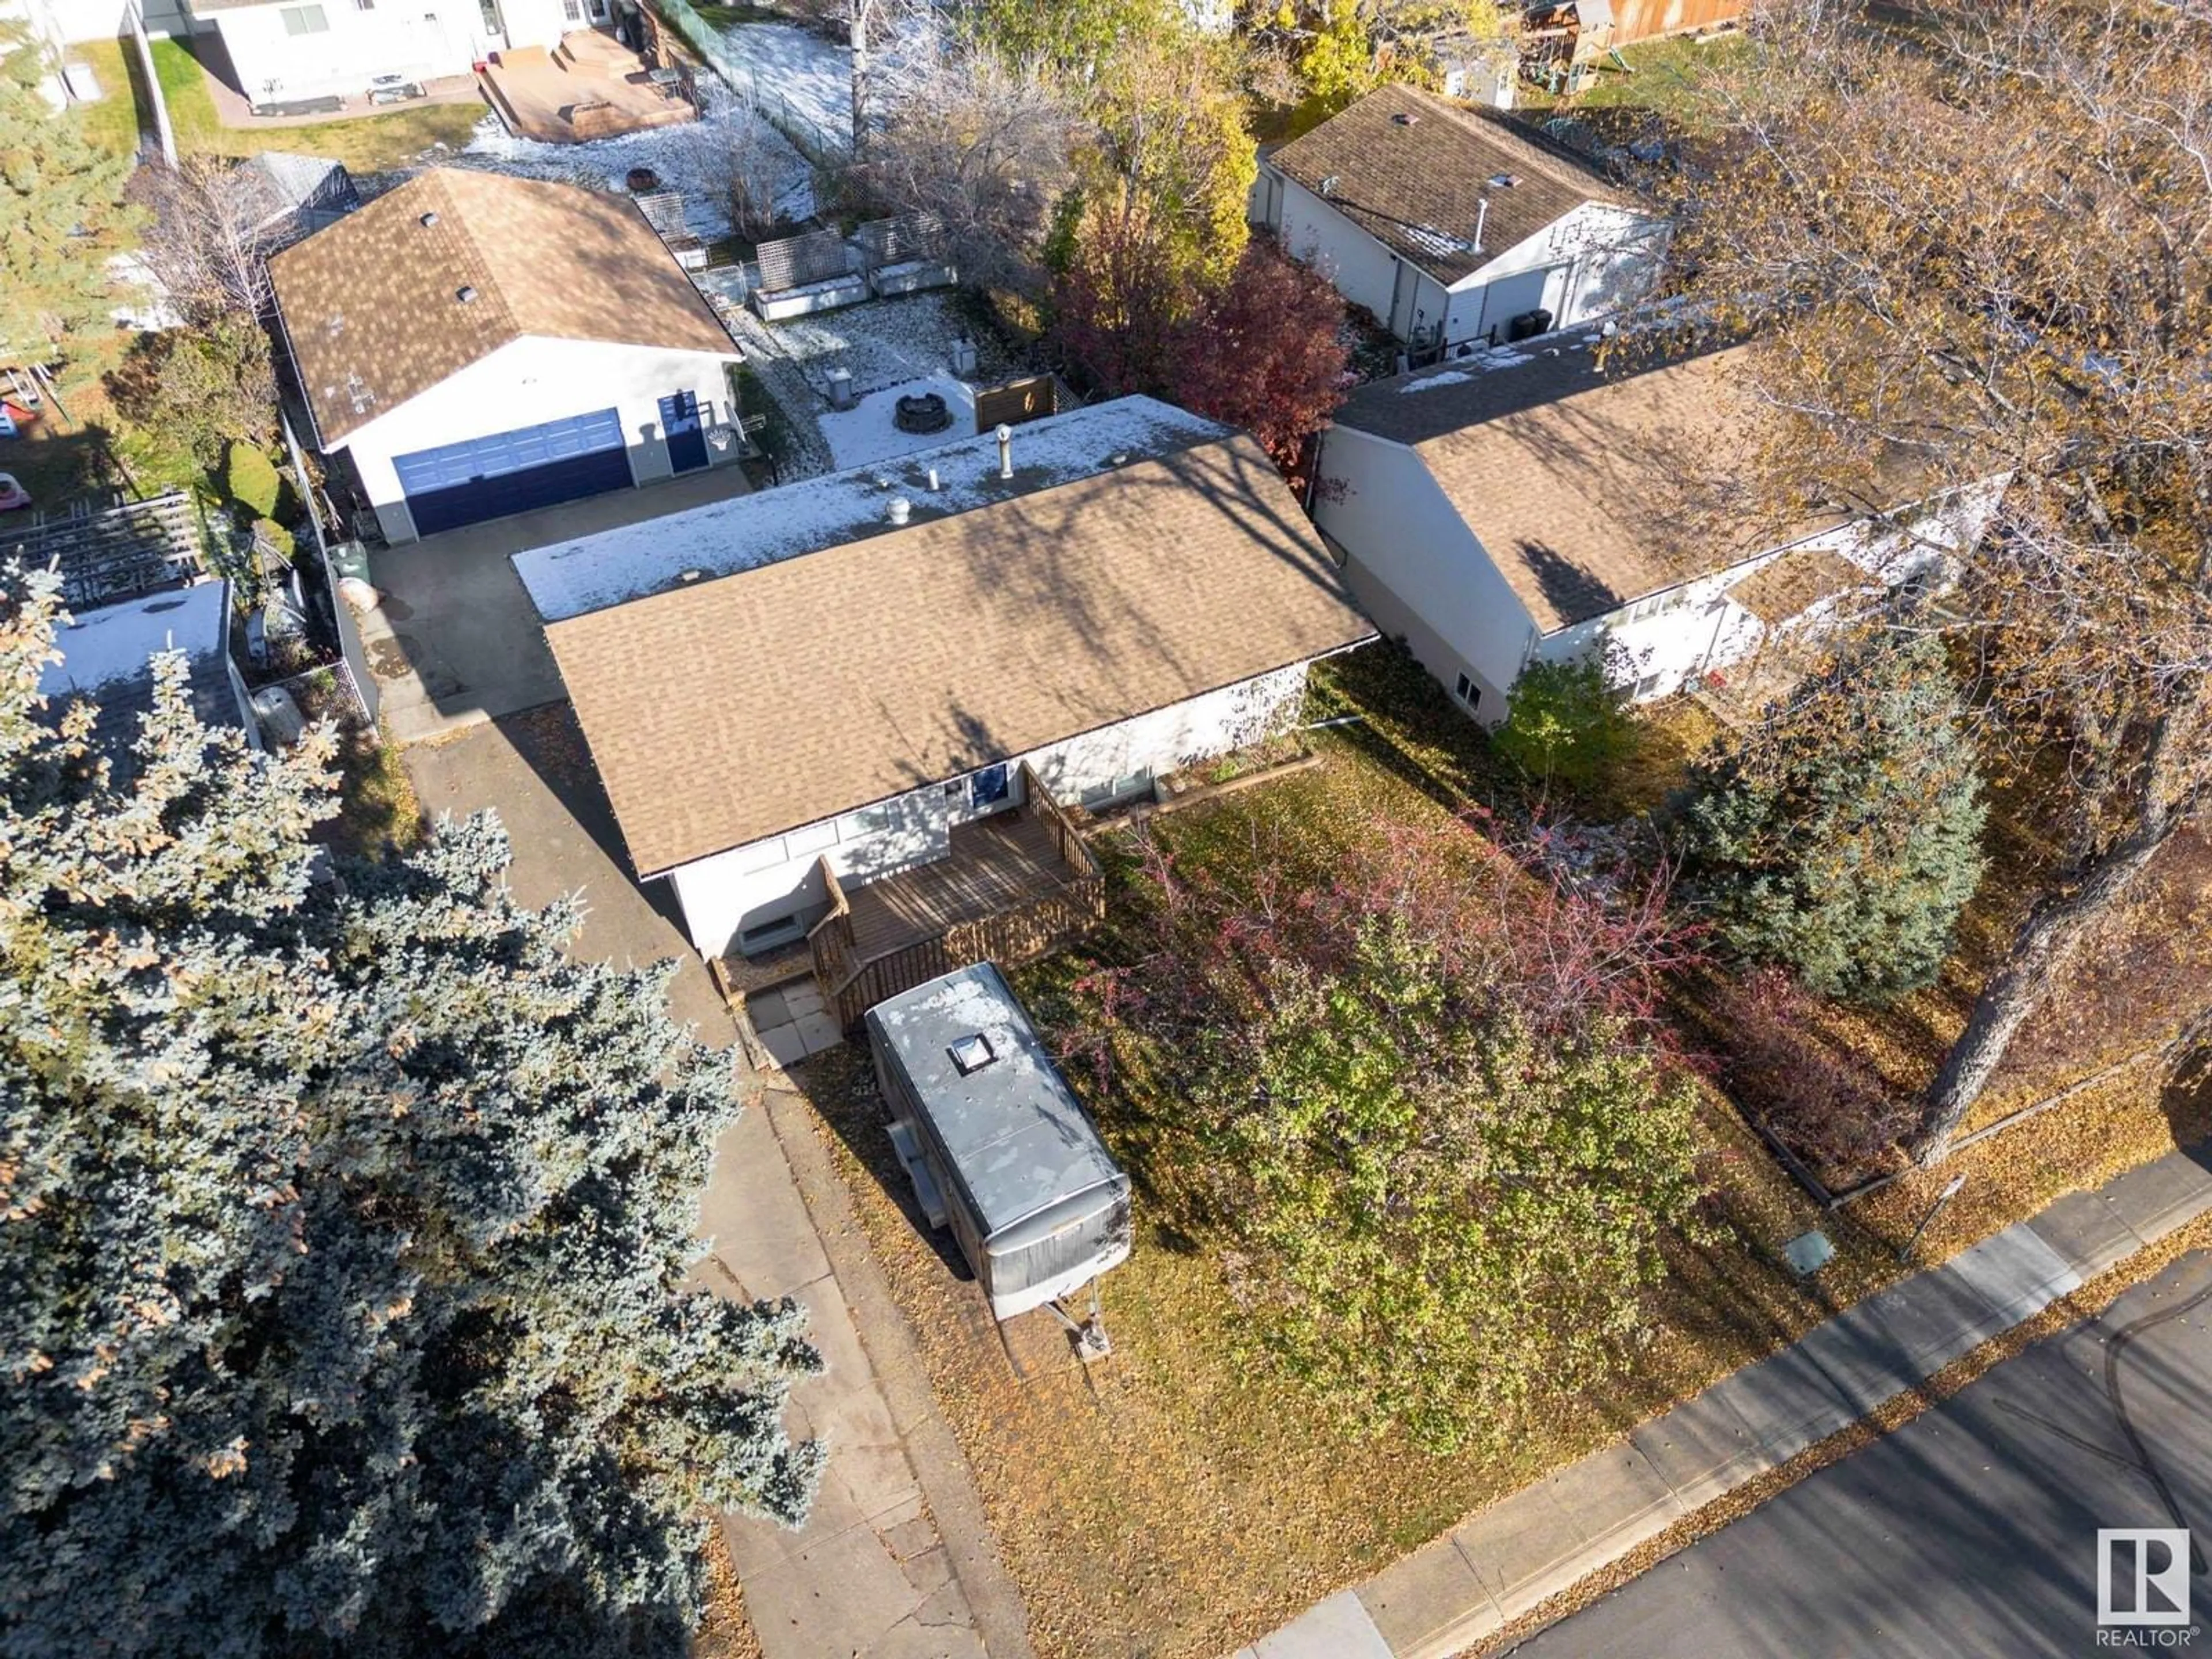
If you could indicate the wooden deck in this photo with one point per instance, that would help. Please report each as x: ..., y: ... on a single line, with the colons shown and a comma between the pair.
x: 1013, y: 888
x: 996, y: 865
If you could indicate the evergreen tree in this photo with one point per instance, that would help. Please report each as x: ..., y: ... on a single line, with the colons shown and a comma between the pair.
x: 1843, y: 836
x: 341, y: 1221
x: 60, y: 205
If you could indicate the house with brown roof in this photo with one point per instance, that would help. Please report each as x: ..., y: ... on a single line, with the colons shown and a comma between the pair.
x: 857, y: 718
x: 477, y: 345
x: 1532, y: 504
x: 1458, y: 226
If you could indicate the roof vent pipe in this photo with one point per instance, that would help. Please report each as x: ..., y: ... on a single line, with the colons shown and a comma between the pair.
x: 901, y: 508
x: 430, y: 220
x: 1005, y: 437
x: 933, y: 480
x: 1481, y: 218
x: 465, y: 295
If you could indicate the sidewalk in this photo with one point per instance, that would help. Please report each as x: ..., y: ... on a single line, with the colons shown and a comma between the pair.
x: 1468, y: 1584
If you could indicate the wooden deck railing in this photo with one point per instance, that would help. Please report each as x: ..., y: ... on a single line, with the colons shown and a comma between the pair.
x: 831, y: 940
x: 1021, y: 932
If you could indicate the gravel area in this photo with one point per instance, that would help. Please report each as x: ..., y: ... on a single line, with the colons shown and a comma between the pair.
x: 693, y: 159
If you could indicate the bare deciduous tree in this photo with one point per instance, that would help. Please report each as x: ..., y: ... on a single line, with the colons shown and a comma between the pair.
x: 984, y: 146
x: 212, y: 223
x: 1990, y: 244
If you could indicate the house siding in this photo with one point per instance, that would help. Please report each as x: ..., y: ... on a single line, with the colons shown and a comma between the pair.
x: 1590, y: 262
x: 748, y: 887
x: 356, y: 45
x: 1418, y: 569
x: 1594, y: 261
x: 530, y: 381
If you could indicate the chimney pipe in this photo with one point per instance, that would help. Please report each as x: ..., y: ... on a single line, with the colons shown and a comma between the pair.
x: 1481, y: 218
x: 1005, y: 437
x: 900, y: 508
x: 933, y: 480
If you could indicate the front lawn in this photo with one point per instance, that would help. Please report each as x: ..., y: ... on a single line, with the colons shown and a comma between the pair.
x: 1185, y: 1496
x: 366, y: 144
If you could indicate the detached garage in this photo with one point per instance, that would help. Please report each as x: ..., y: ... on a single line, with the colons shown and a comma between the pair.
x: 426, y: 325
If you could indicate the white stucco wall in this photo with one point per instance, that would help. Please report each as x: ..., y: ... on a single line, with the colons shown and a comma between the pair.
x: 749, y: 886
x: 1596, y: 260
x: 418, y: 39
x: 532, y: 381
x: 1417, y: 567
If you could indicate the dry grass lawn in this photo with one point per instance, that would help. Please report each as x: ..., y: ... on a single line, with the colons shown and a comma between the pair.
x: 1180, y: 1498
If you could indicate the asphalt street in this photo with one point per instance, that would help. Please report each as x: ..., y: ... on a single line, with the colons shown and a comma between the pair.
x: 1971, y: 1531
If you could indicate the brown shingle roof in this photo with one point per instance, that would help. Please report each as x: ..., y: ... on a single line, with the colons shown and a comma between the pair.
x: 735, y: 709
x: 1795, y: 582
x: 1412, y: 170
x: 371, y: 304
x: 1584, y: 485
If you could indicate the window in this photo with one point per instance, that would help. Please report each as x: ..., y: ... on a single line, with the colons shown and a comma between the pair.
x: 305, y: 19
x: 491, y: 9
x: 776, y: 930
x: 991, y: 785
x: 572, y: 10
x: 1648, y: 686
x: 364, y: 5
x: 1469, y: 692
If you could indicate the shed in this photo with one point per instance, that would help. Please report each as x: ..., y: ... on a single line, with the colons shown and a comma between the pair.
x: 999, y: 1147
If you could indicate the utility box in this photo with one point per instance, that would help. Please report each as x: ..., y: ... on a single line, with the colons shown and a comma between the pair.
x: 998, y: 1147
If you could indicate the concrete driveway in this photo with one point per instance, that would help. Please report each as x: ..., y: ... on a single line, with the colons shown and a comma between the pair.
x: 454, y: 640
x: 896, y: 1561
x: 1972, y: 1530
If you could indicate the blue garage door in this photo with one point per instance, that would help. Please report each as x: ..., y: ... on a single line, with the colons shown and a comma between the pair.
x: 513, y: 471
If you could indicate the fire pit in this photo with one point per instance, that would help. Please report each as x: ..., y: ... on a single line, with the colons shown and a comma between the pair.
x: 925, y: 413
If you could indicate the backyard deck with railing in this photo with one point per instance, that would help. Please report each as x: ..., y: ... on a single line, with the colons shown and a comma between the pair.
x: 1015, y: 886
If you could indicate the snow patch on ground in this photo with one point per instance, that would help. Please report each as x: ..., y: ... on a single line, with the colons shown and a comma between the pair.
x: 885, y: 342
x: 694, y: 158
x: 868, y: 432
x: 812, y: 75
x: 591, y: 573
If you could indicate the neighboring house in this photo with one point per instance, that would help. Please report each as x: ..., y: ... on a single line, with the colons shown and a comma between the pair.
x: 1457, y: 226
x: 287, y: 50
x: 1594, y: 28
x: 106, y: 658
x: 301, y: 194
x: 858, y: 701
x: 1533, y: 506
x: 479, y: 345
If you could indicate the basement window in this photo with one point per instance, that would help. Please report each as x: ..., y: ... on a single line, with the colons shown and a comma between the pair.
x: 1468, y: 692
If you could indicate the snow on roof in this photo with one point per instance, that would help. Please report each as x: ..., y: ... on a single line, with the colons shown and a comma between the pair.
x: 591, y: 573
x: 117, y: 643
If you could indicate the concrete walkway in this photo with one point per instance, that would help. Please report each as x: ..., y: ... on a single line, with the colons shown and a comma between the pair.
x: 1464, y: 1587
x: 896, y: 1561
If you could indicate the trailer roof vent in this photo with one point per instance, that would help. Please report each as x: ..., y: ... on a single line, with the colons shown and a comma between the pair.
x: 971, y: 1054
